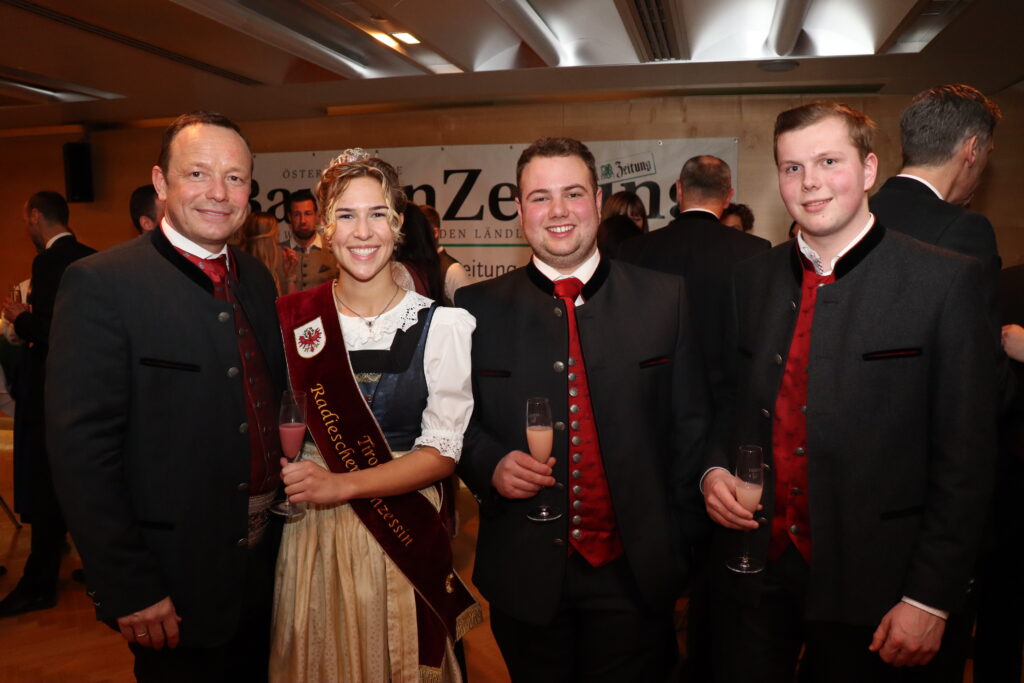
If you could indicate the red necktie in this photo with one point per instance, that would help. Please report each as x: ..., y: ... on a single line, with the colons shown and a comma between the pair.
x: 593, y: 532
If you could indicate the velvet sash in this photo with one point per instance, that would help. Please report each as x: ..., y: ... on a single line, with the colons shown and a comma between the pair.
x: 407, y: 526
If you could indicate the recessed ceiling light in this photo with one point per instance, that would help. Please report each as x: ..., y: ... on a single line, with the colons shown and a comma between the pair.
x: 778, y: 65
x: 407, y: 38
x: 386, y: 39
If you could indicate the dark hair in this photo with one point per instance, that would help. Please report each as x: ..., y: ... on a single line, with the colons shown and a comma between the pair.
x: 620, y: 203
x: 431, y: 214
x: 939, y: 120
x: 556, y: 147
x: 861, y: 128
x: 142, y: 203
x: 706, y: 177
x: 302, y: 195
x: 51, y: 205
x: 194, y: 118
x: 418, y: 248
x: 746, y: 216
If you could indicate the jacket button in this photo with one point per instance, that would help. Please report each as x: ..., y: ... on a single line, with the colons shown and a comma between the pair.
x: 803, y: 409
x: 572, y: 376
x: 233, y: 371
x: 558, y: 312
x: 558, y: 366
x: 792, y: 305
x: 576, y: 457
x: 559, y: 541
x: 577, y: 504
x: 799, y: 451
x: 577, y: 534
x: 795, y: 530
x: 577, y: 519
x: 574, y: 392
x: 572, y: 361
x: 778, y: 359
x: 244, y: 486
x: 559, y: 426
x: 243, y: 428
x: 762, y: 521
x: 575, y: 424
x: 223, y: 316
x: 560, y: 486
x: 795, y: 491
x: 576, y: 474
x: 577, y: 490
x: 576, y: 441
x: 574, y: 409
x: 242, y: 543
x: 765, y: 413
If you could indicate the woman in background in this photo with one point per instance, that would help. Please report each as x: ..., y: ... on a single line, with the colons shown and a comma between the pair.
x: 258, y: 237
x: 626, y: 203
x: 416, y: 254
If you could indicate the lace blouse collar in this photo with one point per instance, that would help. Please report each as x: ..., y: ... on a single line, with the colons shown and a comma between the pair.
x: 401, y: 317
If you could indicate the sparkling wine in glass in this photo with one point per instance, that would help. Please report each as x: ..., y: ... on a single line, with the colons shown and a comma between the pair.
x: 749, y: 485
x: 291, y: 426
x: 540, y: 437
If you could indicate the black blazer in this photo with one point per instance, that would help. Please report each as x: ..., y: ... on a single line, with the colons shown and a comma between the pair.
x: 705, y: 252
x: 900, y: 422
x: 149, y: 448
x: 650, y: 405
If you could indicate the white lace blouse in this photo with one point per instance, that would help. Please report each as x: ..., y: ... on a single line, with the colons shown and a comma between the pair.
x: 446, y: 364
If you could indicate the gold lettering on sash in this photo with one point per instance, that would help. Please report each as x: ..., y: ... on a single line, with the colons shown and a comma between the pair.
x: 397, y: 528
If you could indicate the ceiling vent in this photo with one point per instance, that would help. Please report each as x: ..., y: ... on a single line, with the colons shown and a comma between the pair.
x: 656, y: 29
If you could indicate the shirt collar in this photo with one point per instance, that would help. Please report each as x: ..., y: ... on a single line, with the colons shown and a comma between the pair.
x: 712, y: 213
x: 923, y: 182
x: 56, y: 237
x: 185, y: 244
x: 583, y: 272
x: 815, y: 260
x: 317, y: 243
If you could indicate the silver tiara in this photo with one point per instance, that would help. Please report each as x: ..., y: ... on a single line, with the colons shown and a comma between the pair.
x: 350, y: 156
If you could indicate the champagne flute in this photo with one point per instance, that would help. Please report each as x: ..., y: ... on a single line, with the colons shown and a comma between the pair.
x: 292, y: 429
x: 749, y: 485
x: 540, y: 437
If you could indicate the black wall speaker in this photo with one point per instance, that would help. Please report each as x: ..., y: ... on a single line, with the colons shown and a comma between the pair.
x: 78, y: 172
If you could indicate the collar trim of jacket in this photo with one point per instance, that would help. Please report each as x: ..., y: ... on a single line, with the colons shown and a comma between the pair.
x: 849, y: 261
x: 589, y: 290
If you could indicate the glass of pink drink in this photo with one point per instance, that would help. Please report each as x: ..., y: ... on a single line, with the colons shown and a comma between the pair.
x: 292, y: 429
x: 540, y: 438
x: 749, y: 485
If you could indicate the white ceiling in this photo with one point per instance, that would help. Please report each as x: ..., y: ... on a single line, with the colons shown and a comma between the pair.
x: 103, y: 63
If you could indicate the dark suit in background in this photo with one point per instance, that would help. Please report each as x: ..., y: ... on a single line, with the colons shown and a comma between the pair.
x: 150, y: 450
x: 49, y: 530
x: 651, y: 410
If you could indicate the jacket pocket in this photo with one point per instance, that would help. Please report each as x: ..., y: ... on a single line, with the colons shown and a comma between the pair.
x: 651, y: 362
x: 890, y: 354
x: 169, y: 364
x: 901, y: 513
x: 494, y: 373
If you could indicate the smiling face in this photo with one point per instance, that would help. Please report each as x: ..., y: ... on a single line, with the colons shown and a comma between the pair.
x: 363, y: 240
x: 206, y: 187
x: 823, y: 182
x: 559, y: 210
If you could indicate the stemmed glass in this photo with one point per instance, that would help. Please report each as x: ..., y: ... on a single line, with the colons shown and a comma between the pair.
x: 540, y: 436
x: 749, y: 484
x: 291, y: 425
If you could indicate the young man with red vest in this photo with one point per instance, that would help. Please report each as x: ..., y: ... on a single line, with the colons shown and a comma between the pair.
x: 587, y: 596
x: 865, y: 372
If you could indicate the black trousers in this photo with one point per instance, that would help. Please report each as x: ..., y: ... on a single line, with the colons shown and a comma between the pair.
x: 243, y: 658
x: 764, y: 643
x: 49, y: 530
x: 601, y: 633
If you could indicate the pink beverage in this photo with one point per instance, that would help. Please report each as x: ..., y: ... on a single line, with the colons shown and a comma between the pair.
x: 292, y: 436
x: 749, y: 495
x: 540, y: 440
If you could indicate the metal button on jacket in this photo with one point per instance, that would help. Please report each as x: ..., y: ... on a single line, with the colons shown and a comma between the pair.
x: 572, y: 376
x: 574, y: 409
x: 559, y: 426
x: 576, y: 457
x: 795, y: 529
x: 577, y: 504
x: 576, y: 474
x: 795, y: 491
x: 778, y: 359
x: 223, y: 316
x: 558, y: 312
x: 242, y: 543
x: 577, y: 534
x: 233, y: 371
x: 577, y: 519
x: 574, y: 392
x: 244, y: 486
x: 572, y: 361
x: 243, y: 428
x: 576, y: 441
x: 575, y: 424
x: 558, y: 366
x: 765, y: 413
x: 559, y: 541
x: 577, y: 490
x: 799, y: 451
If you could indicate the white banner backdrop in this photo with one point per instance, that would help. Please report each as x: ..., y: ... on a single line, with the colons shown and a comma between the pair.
x: 473, y: 187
